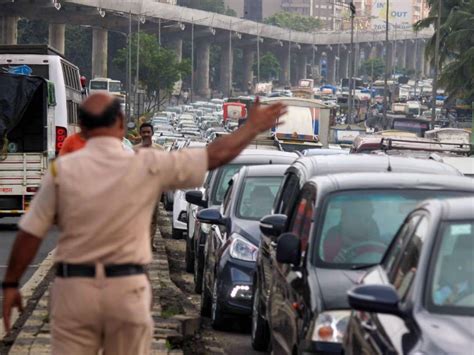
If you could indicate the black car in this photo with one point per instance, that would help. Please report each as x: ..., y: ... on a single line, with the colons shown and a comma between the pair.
x: 343, y: 226
x: 231, y: 247
x: 214, y: 195
x: 420, y: 300
x: 285, y: 207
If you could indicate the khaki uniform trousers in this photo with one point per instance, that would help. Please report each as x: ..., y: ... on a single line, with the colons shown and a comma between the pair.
x: 109, y: 314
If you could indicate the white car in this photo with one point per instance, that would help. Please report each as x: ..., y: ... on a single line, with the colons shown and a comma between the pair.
x: 180, y: 214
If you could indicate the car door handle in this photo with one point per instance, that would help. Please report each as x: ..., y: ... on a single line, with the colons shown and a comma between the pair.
x: 368, y: 325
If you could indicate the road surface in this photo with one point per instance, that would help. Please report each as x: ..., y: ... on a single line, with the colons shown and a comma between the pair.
x: 8, y: 230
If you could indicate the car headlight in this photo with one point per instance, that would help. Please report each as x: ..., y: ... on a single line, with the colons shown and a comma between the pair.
x: 331, y: 326
x: 242, y: 249
x: 206, y: 228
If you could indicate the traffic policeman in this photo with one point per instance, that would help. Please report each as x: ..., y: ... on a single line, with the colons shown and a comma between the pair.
x: 102, y: 199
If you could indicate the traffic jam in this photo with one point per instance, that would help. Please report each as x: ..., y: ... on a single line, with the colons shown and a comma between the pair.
x: 329, y: 234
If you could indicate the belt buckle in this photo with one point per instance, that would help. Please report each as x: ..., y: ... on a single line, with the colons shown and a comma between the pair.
x: 64, y: 268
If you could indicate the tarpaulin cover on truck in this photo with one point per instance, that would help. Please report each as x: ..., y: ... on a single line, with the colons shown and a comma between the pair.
x: 17, y: 94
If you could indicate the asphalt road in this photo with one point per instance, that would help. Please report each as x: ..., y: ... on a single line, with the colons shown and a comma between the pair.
x: 8, y: 231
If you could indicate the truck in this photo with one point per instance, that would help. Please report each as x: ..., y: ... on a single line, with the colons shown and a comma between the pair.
x: 27, y: 139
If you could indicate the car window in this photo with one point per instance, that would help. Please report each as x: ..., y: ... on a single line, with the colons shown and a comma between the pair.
x: 287, y: 194
x: 395, y: 252
x: 302, y: 218
x: 222, y: 182
x: 227, y: 198
x: 257, y: 197
x: 358, y: 226
x: 451, y: 283
x: 406, y: 270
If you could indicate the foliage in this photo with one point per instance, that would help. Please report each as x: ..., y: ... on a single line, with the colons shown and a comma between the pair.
x: 32, y: 31
x: 269, y: 67
x: 217, y: 6
x: 293, y: 21
x: 375, y: 66
x: 159, y: 68
x: 78, y: 48
x: 456, y: 54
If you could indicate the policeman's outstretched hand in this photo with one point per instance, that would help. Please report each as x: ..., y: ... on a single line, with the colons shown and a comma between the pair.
x: 264, y: 117
x: 11, y: 299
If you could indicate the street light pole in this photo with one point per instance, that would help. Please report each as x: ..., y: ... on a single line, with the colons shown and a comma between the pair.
x: 258, y: 55
x: 289, y: 58
x: 436, y: 55
x: 230, y: 60
x: 129, y: 73
x: 192, y: 59
x: 387, y: 63
x: 351, y: 65
x: 137, y: 104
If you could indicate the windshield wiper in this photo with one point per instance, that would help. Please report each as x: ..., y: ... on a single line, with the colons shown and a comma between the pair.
x: 363, y: 266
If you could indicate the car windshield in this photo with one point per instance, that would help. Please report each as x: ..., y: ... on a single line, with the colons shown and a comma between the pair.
x: 358, y: 226
x: 257, y: 197
x: 451, y: 288
x: 223, y: 178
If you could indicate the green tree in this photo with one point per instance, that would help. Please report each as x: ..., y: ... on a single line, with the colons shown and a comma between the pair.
x: 269, y: 67
x: 456, y: 55
x: 373, y: 68
x: 159, y: 68
x: 293, y: 21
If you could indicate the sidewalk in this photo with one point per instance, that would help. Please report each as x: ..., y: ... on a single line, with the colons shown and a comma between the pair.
x: 170, y: 331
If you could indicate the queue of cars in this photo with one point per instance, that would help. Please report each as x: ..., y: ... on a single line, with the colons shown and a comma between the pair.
x: 328, y: 252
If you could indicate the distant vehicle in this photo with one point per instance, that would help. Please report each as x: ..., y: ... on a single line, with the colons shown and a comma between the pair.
x: 234, y: 111
x: 51, y: 65
x: 411, y: 124
x: 114, y: 87
x: 420, y: 299
x: 28, y: 141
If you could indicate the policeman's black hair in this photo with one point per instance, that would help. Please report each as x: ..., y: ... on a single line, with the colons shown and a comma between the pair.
x: 111, y: 114
x: 146, y: 124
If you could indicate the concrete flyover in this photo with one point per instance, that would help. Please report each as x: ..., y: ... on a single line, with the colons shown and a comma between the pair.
x: 299, y: 53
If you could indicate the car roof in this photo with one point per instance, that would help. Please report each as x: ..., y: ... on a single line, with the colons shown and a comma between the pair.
x: 354, y: 163
x: 262, y: 155
x: 405, y: 181
x: 266, y: 170
x: 461, y: 208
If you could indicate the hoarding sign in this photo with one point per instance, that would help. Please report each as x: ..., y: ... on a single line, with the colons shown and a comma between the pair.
x: 400, y: 15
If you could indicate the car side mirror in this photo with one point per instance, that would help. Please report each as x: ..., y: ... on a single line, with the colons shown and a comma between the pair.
x: 195, y: 197
x: 288, y: 250
x: 273, y: 225
x: 375, y: 298
x: 211, y: 216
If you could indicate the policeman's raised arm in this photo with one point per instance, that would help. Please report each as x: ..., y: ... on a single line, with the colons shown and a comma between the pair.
x: 261, y: 118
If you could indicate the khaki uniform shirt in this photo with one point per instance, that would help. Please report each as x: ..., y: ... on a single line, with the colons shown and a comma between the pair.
x: 104, y: 198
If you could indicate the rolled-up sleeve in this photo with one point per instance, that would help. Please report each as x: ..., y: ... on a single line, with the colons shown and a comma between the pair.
x: 181, y: 169
x: 40, y: 217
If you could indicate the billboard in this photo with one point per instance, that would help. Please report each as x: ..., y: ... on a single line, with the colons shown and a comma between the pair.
x: 400, y: 15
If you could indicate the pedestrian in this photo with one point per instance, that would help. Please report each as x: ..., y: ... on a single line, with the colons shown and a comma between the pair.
x: 102, y: 198
x: 146, y: 133
x: 185, y: 96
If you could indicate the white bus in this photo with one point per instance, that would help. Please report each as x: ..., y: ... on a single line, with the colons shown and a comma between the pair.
x: 46, y: 62
x: 114, y: 87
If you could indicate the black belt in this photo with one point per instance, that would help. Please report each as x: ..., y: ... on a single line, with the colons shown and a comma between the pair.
x: 88, y: 270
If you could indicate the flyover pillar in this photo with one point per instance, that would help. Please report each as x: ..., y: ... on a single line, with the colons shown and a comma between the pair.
x: 99, y: 53
x: 356, y: 59
x: 177, y: 46
x: 56, y: 38
x: 249, y: 57
x: 226, y: 66
x: 202, y: 68
x: 301, y: 72
x: 343, y: 62
x: 8, y: 30
x: 284, y: 69
x: 331, y: 58
x: 402, y: 54
x: 410, y: 55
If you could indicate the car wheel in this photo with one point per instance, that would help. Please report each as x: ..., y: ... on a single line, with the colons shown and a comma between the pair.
x: 189, y: 257
x: 206, y: 299
x: 260, y: 333
x: 217, y: 316
x: 166, y: 203
x: 177, y: 234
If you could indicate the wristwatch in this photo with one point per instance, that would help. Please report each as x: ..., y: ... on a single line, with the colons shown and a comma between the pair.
x: 9, y: 285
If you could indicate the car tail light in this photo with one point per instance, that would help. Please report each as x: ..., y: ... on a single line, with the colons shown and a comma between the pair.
x: 32, y: 189
x: 61, y: 134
